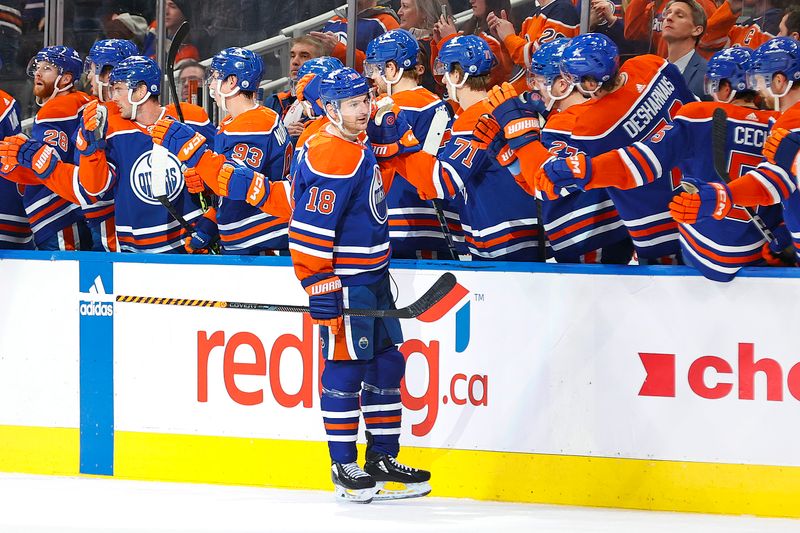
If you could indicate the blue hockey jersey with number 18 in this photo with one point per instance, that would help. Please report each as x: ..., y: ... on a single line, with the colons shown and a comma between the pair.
x: 652, y: 94
x: 339, y: 222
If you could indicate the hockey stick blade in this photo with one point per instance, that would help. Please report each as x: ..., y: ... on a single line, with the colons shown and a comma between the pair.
x: 432, y: 296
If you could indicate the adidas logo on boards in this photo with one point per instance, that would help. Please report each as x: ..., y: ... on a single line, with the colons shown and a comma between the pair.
x: 97, y: 306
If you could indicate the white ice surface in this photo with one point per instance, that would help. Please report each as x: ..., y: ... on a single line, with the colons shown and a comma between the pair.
x: 67, y: 505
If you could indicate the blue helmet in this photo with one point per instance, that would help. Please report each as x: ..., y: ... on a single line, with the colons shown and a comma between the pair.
x: 319, y: 65
x: 469, y: 51
x: 66, y: 59
x: 245, y: 64
x: 341, y: 84
x: 108, y: 53
x: 138, y: 70
x: 394, y: 45
x: 730, y: 64
x: 781, y: 54
x: 311, y: 98
x: 546, y: 61
x: 590, y: 55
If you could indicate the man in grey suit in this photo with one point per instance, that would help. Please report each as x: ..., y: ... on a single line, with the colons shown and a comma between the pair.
x: 684, y: 24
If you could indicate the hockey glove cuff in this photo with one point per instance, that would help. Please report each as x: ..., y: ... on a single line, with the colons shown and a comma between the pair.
x: 181, y: 140
x: 325, y: 300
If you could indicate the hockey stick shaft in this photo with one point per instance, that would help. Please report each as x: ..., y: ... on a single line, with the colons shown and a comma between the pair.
x: 719, y: 136
x: 172, y: 54
x: 448, y: 237
x: 432, y: 296
x: 433, y: 141
x: 719, y: 155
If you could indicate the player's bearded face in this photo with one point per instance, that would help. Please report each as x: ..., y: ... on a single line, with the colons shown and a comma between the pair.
x: 355, y: 113
x: 44, y: 79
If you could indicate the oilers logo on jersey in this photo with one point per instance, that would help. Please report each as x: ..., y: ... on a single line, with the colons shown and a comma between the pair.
x: 377, y: 197
x: 141, y: 178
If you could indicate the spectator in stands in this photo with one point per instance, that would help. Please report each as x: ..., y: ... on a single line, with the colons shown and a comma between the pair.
x: 605, y: 17
x: 419, y: 17
x: 727, y: 27
x: 177, y: 12
x: 128, y: 26
x: 10, y: 32
x: 190, y: 79
x: 684, y: 24
x: 550, y: 20
x: 644, y: 20
x: 790, y: 24
x: 444, y: 30
x: 303, y: 48
x: 373, y: 20
x: 224, y: 23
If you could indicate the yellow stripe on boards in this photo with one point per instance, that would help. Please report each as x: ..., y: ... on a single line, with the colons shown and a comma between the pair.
x: 501, y: 476
x: 40, y: 450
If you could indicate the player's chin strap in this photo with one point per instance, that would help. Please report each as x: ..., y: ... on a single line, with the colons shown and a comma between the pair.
x: 779, y: 96
x: 135, y: 105
x: 101, y: 89
x: 40, y: 102
x: 730, y: 98
x: 553, y: 99
x: 390, y: 84
x: 339, y: 123
x: 452, y: 87
x: 224, y: 96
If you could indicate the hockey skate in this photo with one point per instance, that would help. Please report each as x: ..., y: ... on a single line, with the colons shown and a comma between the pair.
x: 395, y: 481
x: 351, y: 483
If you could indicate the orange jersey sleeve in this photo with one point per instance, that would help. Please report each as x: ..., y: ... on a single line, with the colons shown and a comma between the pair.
x: 536, y: 31
x: 340, y: 53
x: 719, y: 26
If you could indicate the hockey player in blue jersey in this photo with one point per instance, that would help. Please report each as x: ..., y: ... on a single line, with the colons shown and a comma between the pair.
x: 252, y: 144
x: 15, y: 231
x: 414, y: 227
x: 102, y: 58
x: 339, y: 242
x: 499, y: 221
x: 717, y: 248
x: 118, y: 156
x: 581, y: 226
x: 630, y: 104
x: 775, y: 71
x: 57, y: 224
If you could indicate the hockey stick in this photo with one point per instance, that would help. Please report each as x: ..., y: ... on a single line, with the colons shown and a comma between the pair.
x: 160, y: 155
x: 432, y: 296
x: 172, y: 54
x: 719, y: 135
x: 431, y: 146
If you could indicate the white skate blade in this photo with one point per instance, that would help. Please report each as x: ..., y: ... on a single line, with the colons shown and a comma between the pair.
x: 410, y: 490
x: 354, y: 495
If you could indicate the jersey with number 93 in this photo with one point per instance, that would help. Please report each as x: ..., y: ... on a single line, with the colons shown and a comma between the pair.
x: 339, y: 222
x: 256, y: 139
